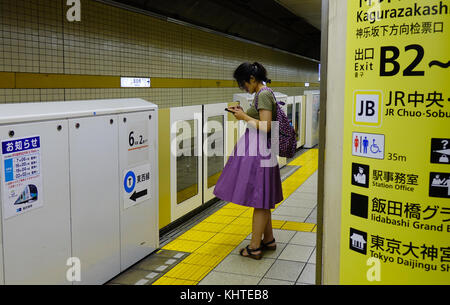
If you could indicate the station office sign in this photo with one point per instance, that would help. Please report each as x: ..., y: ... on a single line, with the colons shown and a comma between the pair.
x: 396, y: 158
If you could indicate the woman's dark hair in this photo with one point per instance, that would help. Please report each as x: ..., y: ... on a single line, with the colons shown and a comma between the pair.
x: 246, y: 70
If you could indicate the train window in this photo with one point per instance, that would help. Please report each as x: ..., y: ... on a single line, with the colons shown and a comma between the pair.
x: 297, y: 121
x: 187, y: 160
x: 216, y: 148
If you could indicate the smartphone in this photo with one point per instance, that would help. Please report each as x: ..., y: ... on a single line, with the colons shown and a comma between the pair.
x: 226, y: 109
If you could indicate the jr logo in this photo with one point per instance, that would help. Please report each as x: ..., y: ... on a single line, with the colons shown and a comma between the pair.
x: 367, y: 108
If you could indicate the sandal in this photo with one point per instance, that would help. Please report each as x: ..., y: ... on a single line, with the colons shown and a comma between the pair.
x: 265, y: 246
x: 250, y: 253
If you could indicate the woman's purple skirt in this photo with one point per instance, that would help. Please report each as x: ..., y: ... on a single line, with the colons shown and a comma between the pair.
x: 251, y: 176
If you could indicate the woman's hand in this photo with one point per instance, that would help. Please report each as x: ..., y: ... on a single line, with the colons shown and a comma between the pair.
x: 238, y: 112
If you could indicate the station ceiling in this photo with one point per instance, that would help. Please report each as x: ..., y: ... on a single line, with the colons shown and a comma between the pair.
x: 290, y: 25
x: 309, y: 10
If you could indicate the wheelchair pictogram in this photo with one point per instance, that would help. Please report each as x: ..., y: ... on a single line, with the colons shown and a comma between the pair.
x: 374, y: 148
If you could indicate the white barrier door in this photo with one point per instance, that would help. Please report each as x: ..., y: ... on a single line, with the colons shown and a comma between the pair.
x: 35, y: 195
x: 95, y: 197
x: 138, y: 212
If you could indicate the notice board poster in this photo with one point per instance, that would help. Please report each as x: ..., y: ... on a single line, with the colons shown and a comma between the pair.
x: 395, y: 221
x: 22, y: 176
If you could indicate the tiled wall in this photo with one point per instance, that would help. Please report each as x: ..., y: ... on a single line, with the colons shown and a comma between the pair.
x: 36, y: 37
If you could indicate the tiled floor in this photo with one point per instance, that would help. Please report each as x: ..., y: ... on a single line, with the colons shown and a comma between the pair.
x: 294, y: 260
x: 207, y: 252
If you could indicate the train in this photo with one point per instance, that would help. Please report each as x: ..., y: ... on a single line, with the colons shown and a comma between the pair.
x: 29, y: 194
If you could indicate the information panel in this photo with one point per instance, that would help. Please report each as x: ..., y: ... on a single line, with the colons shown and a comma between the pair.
x: 22, y: 177
x: 395, y: 222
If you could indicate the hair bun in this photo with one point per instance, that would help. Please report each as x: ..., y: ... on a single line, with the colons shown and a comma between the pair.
x: 246, y: 70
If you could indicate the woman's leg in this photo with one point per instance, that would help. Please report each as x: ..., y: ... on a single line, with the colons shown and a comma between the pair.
x: 268, y: 231
x: 260, y: 218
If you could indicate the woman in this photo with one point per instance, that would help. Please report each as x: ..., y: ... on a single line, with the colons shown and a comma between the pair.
x: 246, y: 179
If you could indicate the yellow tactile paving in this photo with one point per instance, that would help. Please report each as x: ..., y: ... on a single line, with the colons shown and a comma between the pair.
x: 195, y: 235
x: 229, y: 212
x: 228, y: 239
x: 231, y: 205
x: 210, y: 241
x: 209, y: 227
x: 289, y: 183
x: 220, y: 219
x: 298, y: 226
x: 310, y: 155
x: 237, y: 229
x: 244, y: 221
x: 183, y: 245
x: 277, y: 224
x: 248, y: 213
x: 309, y: 163
x: 215, y: 249
x: 203, y: 259
x: 188, y: 272
x: 172, y: 281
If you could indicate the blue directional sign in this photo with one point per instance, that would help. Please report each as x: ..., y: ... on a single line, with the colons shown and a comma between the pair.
x: 129, y: 182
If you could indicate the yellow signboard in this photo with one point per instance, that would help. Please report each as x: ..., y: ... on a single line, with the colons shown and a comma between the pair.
x: 395, y: 223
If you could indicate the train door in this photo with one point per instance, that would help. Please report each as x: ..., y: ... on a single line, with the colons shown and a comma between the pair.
x: 185, y: 160
x: 214, y: 146
x: 299, y: 102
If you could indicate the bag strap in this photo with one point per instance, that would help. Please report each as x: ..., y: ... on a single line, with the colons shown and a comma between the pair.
x: 264, y: 89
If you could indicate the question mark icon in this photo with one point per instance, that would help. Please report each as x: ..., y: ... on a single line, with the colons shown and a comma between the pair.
x: 445, y: 142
